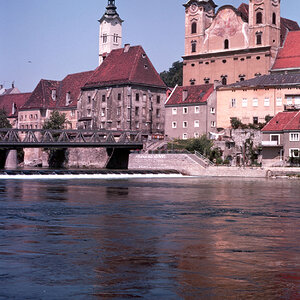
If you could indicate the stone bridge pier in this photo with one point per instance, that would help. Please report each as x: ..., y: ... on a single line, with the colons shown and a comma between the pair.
x: 8, y: 159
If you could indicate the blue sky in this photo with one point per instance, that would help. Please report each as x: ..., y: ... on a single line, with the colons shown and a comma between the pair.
x: 60, y: 37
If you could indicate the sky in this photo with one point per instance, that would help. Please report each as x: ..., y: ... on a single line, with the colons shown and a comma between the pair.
x: 48, y: 39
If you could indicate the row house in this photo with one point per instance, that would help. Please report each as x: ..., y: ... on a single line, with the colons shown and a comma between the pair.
x: 124, y: 93
x: 252, y: 100
x: 281, y: 138
x: 50, y: 95
x: 191, y: 111
x: 11, y: 104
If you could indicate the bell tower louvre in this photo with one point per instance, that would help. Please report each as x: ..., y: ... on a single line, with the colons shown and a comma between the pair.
x: 110, y: 34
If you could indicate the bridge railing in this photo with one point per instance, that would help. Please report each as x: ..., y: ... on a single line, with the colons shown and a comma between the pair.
x: 19, y: 137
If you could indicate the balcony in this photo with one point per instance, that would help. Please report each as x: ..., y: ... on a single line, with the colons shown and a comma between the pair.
x: 271, y: 144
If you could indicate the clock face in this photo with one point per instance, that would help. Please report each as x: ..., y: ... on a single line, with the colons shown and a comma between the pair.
x: 193, y: 7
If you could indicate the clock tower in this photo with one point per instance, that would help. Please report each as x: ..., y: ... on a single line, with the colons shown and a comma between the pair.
x: 110, y: 35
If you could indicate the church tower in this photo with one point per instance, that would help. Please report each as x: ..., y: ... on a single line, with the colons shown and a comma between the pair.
x: 110, y: 36
x: 264, y: 23
x: 199, y: 15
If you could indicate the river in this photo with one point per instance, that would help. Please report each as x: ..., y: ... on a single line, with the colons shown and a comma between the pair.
x: 189, y: 238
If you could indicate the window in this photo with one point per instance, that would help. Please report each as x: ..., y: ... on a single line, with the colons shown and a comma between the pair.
x: 157, y: 113
x: 194, y: 27
x: 185, y: 110
x: 245, y: 102
x: 174, y: 124
x: 274, y: 19
x: 157, y: 126
x: 197, y: 109
x: 259, y: 18
x: 73, y: 113
x: 297, y: 100
x: 267, y: 102
x: 53, y: 95
x: 102, y: 125
x: 279, y: 102
x: 196, y: 123
x: 144, y: 111
x: 144, y: 97
x: 137, y: 125
x: 68, y: 98
x: 289, y: 100
x: 233, y: 102
x: 255, y: 120
x: 224, y: 80
x: 185, y: 124
x: 116, y: 38
x: 294, y: 137
x: 137, y: 111
x: 255, y: 102
x: 89, y: 112
x: 119, y: 124
x: 275, y: 138
x: 196, y: 135
x: 226, y: 44
x: 30, y: 117
x: 36, y: 116
x: 174, y: 111
x: 103, y: 112
x: 103, y: 98
x: 89, y: 99
x: 294, y: 152
x: 119, y: 97
x: 137, y: 97
x: 213, y: 124
x: 212, y: 110
x: 158, y: 99
x: 258, y: 39
x: 104, y: 38
x: 119, y: 111
x: 194, y: 46
x: 185, y: 136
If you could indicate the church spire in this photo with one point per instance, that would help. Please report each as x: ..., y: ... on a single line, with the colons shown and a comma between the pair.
x: 111, y: 9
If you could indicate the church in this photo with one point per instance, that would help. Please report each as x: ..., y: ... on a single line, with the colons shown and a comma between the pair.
x: 232, y: 44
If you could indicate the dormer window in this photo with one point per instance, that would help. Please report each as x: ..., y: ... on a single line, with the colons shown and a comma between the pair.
x: 53, y: 95
x: 68, y: 98
x: 14, y: 108
x: 194, y: 27
x: 226, y: 44
x: 259, y: 18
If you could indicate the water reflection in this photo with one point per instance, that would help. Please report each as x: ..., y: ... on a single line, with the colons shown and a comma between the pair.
x: 167, y: 239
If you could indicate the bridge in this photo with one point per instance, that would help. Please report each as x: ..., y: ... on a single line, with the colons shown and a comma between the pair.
x: 117, y: 143
x: 40, y: 138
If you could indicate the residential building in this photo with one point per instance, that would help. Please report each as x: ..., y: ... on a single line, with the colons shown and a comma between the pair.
x: 12, y: 90
x: 50, y: 95
x: 110, y: 36
x: 191, y: 111
x: 231, y: 45
x: 281, y: 138
x: 124, y: 93
x: 252, y: 100
x: 11, y: 104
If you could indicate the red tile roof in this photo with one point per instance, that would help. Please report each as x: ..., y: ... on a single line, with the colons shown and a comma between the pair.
x: 289, y: 56
x: 73, y: 84
x: 121, y: 67
x: 286, y: 24
x: 42, y: 95
x: 7, y: 101
x: 287, y: 120
x: 195, y: 94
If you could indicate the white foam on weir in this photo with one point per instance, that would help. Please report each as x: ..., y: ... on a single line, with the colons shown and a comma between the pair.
x: 90, y: 176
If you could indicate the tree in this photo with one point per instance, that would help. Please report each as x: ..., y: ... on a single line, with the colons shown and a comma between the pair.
x: 174, y: 75
x: 4, y: 123
x: 57, y: 157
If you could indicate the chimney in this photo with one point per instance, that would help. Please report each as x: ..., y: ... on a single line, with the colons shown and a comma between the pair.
x: 184, y: 95
x: 217, y: 83
x: 13, y: 85
x: 126, y: 48
x: 1, y: 86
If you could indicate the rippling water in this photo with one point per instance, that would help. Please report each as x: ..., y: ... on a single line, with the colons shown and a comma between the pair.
x: 159, y: 239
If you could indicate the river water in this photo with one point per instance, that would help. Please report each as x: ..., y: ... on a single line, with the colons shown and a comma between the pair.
x: 190, y: 238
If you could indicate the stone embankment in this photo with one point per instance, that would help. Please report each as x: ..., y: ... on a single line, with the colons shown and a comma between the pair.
x: 186, y: 164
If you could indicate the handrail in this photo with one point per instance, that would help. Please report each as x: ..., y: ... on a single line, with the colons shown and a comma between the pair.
x: 204, y: 158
